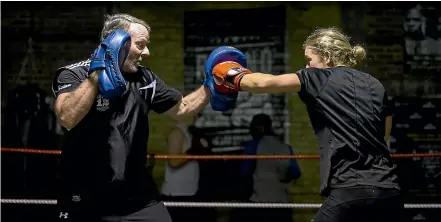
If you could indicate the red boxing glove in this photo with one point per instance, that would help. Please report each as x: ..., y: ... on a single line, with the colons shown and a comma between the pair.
x: 227, y: 76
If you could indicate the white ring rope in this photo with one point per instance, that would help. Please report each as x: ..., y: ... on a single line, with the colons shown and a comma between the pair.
x: 219, y: 204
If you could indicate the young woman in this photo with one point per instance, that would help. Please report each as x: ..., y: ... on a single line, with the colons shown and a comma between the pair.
x: 351, y: 117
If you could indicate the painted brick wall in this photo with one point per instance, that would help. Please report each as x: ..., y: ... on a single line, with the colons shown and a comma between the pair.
x: 385, y: 44
x: 62, y: 33
x: 383, y: 25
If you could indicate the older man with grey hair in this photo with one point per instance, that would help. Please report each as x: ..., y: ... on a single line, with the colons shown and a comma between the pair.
x: 104, y: 176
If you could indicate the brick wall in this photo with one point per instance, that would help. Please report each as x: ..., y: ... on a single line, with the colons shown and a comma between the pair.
x: 385, y: 45
x: 61, y: 33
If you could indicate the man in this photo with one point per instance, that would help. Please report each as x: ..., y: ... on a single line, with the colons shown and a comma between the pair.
x: 348, y: 110
x: 268, y: 180
x: 103, y: 163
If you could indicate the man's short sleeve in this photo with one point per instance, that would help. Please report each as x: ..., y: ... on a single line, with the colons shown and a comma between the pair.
x: 312, y: 82
x: 67, y: 80
x: 165, y: 96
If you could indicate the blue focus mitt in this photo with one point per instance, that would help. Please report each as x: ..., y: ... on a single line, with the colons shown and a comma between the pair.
x: 108, y: 59
x: 222, y: 101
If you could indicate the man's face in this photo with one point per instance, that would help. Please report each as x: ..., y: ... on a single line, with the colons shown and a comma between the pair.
x: 413, y: 21
x: 138, y: 49
x: 313, y: 60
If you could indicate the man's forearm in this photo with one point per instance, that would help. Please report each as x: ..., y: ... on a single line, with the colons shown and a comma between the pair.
x: 194, y: 102
x: 75, y: 105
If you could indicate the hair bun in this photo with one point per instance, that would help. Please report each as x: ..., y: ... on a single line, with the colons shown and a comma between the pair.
x: 359, y: 53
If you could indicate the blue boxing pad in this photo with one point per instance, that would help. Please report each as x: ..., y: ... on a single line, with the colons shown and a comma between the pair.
x: 108, y: 59
x: 222, y: 101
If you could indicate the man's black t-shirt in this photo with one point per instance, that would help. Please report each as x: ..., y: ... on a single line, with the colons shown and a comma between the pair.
x: 103, y: 159
x: 348, y: 109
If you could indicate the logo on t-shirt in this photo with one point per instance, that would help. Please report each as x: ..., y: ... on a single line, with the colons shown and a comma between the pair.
x: 102, y: 104
x: 64, y: 86
x: 152, y: 86
x: 63, y: 215
x: 76, y: 198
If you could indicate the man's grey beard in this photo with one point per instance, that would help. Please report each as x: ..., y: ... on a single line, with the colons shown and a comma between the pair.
x: 130, y: 68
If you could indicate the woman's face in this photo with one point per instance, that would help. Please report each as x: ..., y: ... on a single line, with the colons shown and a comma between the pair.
x: 313, y: 59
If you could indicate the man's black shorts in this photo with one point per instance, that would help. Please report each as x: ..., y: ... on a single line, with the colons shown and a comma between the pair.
x: 156, y: 212
x: 362, y: 204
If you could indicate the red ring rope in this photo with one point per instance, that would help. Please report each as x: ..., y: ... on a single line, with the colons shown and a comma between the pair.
x: 206, y: 157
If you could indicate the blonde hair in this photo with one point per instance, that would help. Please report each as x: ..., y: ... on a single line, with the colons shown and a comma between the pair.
x: 334, y: 47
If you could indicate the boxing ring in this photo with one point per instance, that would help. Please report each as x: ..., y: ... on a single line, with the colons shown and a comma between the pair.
x: 223, y: 204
